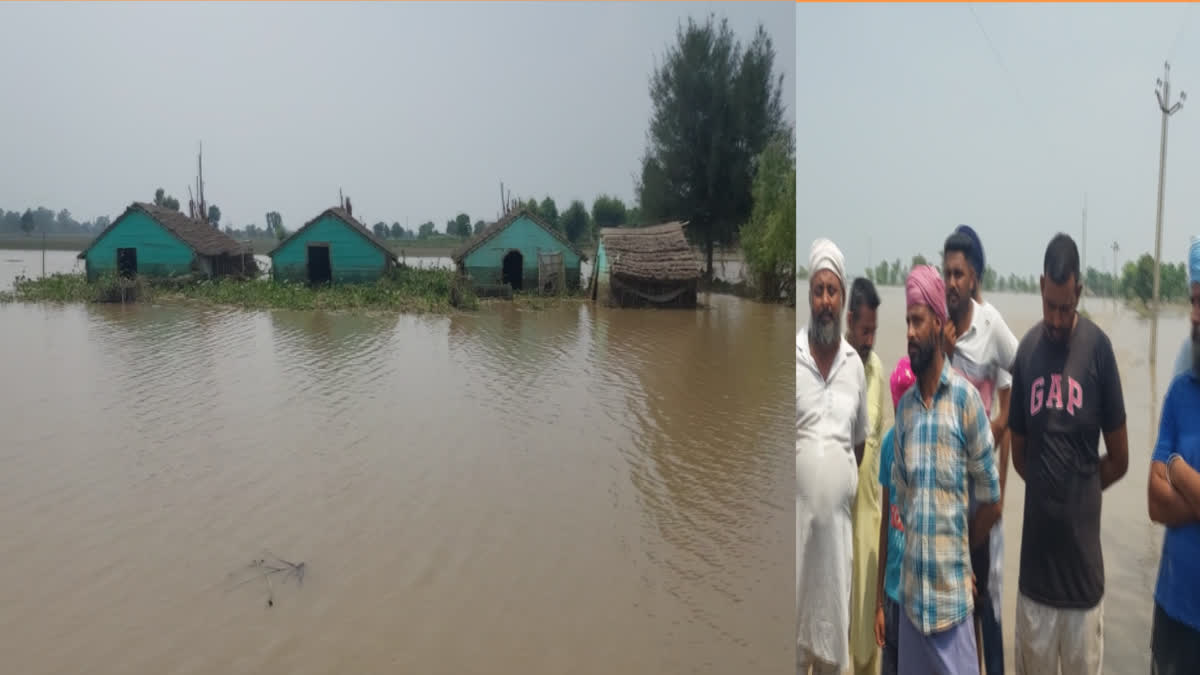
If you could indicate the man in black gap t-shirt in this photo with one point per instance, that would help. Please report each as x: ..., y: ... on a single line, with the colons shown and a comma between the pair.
x: 1066, y: 391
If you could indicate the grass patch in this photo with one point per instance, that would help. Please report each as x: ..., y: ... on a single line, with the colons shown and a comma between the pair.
x: 536, y: 302
x: 406, y: 289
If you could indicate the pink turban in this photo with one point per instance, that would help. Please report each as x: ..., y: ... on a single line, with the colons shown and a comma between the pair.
x: 925, y: 287
x: 902, y: 379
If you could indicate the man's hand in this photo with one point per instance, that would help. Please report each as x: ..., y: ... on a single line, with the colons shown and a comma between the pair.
x: 974, y: 589
x: 880, y: 626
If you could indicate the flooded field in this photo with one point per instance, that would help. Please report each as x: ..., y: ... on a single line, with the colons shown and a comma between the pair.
x: 574, y: 490
x: 1132, y: 544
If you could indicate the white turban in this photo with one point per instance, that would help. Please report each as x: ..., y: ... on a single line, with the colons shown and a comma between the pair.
x: 825, y: 255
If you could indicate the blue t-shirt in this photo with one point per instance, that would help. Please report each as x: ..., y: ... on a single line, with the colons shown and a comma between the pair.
x: 1177, y: 591
x: 895, y: 550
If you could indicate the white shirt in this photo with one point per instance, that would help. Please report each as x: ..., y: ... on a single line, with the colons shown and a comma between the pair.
x: 834, y: 408
x: 985, y: 353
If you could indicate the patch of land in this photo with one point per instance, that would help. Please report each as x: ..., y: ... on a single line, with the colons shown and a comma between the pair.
x: 407, y: 289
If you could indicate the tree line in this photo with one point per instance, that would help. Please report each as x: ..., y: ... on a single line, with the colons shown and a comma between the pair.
x: 1136, y: 281
x: 577, y: 223
x: 45, y: 220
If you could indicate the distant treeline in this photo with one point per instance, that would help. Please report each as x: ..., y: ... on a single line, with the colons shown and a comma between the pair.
x: 577, y: 223
x: 1135, y: 283
x: 43, y: 219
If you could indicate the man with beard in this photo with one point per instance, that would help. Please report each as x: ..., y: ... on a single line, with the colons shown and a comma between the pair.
x: 831, y: 430
x: 1066, y: 392
x: 860, y: 324
x: 943, y: 450
x: 1174, y: 501
x: 983, y: 353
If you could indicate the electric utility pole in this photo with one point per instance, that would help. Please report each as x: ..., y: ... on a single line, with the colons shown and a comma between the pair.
x: 1163, y: 93
x: 1116, y: 276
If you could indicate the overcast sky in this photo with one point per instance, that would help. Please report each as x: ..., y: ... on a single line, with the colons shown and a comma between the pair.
x: 915, y: 118
x: 416, y: 110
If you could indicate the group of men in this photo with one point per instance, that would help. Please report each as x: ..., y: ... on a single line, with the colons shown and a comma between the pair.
x: 899, y: 544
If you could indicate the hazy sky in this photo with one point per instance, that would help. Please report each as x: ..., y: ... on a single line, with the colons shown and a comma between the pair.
x: 910, y: 122
x: 416, y: 110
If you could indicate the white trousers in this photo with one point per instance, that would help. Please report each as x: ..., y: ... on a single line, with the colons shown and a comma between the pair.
x: 1047, y: 637
x: 826, y: 481
x: 805, y: 661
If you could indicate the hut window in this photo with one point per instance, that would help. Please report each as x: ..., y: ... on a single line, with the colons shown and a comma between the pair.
x: 320, y: 268
x: 512, y: 272
x: 127, y: 262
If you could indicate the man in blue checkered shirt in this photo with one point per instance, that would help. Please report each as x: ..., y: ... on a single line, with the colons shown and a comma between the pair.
x: 942, y: 438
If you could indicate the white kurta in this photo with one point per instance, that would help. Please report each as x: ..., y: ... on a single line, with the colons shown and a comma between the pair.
x: 831, y: 418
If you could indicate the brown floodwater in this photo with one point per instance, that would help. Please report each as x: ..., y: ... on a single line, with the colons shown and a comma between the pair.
x: 1131, y: 543
x: 572, y: 490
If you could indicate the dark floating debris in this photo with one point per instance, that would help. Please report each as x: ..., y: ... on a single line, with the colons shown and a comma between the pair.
x: 274, y: 565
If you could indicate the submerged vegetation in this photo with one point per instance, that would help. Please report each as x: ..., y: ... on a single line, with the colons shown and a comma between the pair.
x: 406, y: 289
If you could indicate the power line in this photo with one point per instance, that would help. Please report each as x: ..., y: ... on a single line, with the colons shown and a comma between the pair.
x: 1187, y: 17
x: 999, y: 59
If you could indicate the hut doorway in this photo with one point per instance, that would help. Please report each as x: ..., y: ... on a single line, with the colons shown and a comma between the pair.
x: 511, y: 270
x: 127, y: 262
x: 320, y: 269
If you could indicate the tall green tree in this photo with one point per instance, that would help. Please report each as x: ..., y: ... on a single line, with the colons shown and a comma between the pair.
x: 161, y: 198
x: 462, y: 225
x: 575, y: 222
x: 769, y: 237
x: 548, y: 211
x: 214, y: 215
x: 27, y: 222
x: 608, y: 211
x: 275, y: 225
x: 716, y: 105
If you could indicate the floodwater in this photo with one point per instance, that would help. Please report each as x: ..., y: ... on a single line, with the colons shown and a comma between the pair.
x: 1131, y: 543
x: 572, y: 490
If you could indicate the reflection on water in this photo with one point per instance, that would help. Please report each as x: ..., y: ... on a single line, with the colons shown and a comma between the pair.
x: 579, y: 489
x: 1131, y: 543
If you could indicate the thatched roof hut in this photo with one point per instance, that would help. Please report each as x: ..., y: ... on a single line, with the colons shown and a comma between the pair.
x: 154, y: 241
x: 648, y: 265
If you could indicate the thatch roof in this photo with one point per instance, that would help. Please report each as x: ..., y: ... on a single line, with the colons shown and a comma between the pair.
x: 201, y: 237
x: 344, y: 216
x: 498, y: 227
x: 656, y: 253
